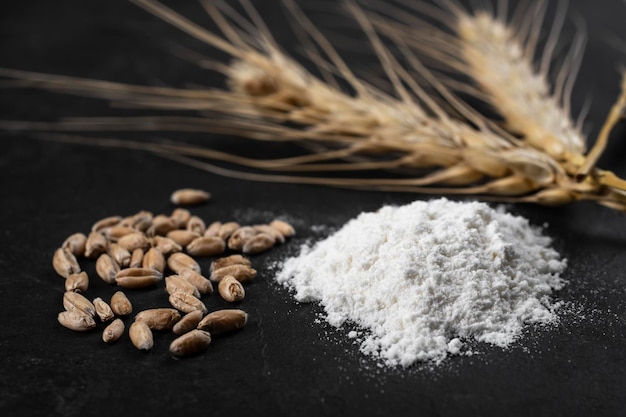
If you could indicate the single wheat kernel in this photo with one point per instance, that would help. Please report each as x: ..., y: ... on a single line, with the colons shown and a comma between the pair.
x: 64, y: 263
x: 181, y: 217
x: 223, y: 321
x: 227, y: 229
x: 73, y: 301
x: 186, y: 302
x: 103, y: 310
x: 262, y: 242
x: 106, y: 222
x: 190, y: 343
x: 120, y: 255
x: 96, y: 245
x: 266, y: 228
x: 115, y: 233
x: 242, y: 273
x: 161, y: 225
x: 196, y: 225
x: 77, y: 282
x: 76, y: 244
x: 107, y: 268
x: 203, y: 285
x: 134, y: 240
x: 179, y: 261
x: 213, y: 229
x: 76, y: 320
x: 166, y: 245
x: 182, y: 237
x: 240, y: 236
x: 206, y: 246
x: 113, y: 331
x: 175, y: 283
x: 120, y: 304
x: 137, y: 277
x: 136, y: 258
x: 230, y: 289
x: 188, y: 322
x: 159, y: 318
x: 283, y: 227
x: 230, y: 260
x: 154, y: 259
x: 141, y: 220
x: 141, y: 336
x: 189, y: 196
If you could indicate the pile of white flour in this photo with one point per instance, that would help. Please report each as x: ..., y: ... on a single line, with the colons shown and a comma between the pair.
x: 419, y: 279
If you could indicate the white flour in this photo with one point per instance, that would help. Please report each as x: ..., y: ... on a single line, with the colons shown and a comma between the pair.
x: 420, y: 279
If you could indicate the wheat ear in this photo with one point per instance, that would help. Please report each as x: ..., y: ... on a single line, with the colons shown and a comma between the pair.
x: 272, y: 97
x: 498, y: 53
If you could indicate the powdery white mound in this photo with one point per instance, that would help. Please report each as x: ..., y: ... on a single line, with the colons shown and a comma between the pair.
x: 421, y: 278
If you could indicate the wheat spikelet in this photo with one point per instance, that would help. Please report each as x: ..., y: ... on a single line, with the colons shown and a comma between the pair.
x: 272, y: 97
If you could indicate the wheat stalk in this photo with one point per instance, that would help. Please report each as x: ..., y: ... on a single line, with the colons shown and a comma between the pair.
x: 272, y: 97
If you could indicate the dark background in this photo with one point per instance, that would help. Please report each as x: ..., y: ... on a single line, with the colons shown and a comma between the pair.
x: 286, y: 361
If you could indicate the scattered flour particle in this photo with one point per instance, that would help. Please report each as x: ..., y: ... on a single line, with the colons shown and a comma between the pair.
x: 421, y: 278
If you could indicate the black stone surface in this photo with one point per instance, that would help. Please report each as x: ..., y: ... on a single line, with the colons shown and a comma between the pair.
x: 286, y: 361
